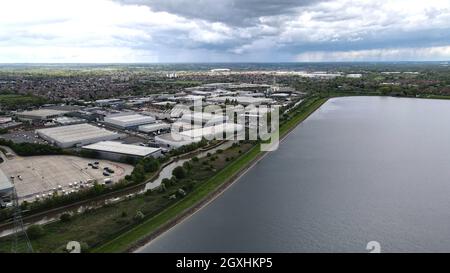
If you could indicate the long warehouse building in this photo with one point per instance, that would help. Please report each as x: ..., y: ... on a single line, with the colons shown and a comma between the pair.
x: 6, y: 188
x: 76, y: 135
x: 116, y: 151
x: 128, y: 120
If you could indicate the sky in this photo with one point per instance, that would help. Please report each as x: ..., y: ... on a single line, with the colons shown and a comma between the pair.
x: 132, y: 31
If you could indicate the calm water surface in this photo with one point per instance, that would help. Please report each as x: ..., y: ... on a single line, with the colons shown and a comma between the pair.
x: 358, y: 169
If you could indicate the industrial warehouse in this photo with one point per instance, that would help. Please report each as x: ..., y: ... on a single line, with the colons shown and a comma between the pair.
x: 40, y: 115
x: 155, y: 127
x: 128, y: 120
x: 117, y: 151
x: 76, y: 135
x: 6, y: 187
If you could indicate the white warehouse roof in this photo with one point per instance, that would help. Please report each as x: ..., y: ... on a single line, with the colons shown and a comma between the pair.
x: 178, y: 141
x: 5, y: 184
x: 213, y: 131
x: 79, y: 134
x: 120, y: 148
x: 42, y: 113
x: 244, y: 100
x: 129, y: 120
x: 200, y: 118
x: 154, y: 127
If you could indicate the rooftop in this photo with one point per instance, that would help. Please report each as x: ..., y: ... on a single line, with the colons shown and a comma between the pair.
x: 210, y: 131
x: 76, y: 132
x: 5, y: 184
x: 130, y: 118
x: 43, y: 112
x: 120, y: 148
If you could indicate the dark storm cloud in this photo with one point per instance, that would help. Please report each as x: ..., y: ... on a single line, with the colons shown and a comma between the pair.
x: 232, y: 12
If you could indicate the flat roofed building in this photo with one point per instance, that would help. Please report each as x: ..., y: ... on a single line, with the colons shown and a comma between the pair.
x: 6, y: 187
x: 106, y: 102
x: 116, y: 151
x: 215, y: 131
x: 203, y: 118
x: 174, y: 141
x: 150, y: 128
x: 244, y: 100
x: 4, y: 120
x: 41, y: 114
x: 128, y: 120
x: 68, y: 120
x: 76, y: 135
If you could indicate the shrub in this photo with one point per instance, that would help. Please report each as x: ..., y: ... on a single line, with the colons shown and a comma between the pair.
x: 65, y: 217
x: 35, y: 232
x: 139, y: 216
x: 179, y: 172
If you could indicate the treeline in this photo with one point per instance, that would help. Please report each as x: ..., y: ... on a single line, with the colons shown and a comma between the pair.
x: 30, y: 149
x: 189, y: 148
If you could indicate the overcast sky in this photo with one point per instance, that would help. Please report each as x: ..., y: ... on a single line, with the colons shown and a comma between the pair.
x: 223, y: 30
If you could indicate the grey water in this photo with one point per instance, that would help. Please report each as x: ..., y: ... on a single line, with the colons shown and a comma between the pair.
x: 359, y: 169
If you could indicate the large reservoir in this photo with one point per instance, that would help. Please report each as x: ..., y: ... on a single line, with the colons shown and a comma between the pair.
x: 359, y: 169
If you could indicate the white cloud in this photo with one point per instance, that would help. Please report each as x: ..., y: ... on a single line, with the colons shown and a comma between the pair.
x: 92, y: 30
x: 385, y: 54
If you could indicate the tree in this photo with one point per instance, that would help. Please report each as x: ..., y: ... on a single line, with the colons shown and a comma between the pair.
x: 179, y: 172
x: 138, y: 174
x: 150, y: 164
x: 65, y: 217
x: 35, y: 232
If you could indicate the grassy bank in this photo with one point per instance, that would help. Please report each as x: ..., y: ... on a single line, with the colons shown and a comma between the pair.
x: 140, y: 232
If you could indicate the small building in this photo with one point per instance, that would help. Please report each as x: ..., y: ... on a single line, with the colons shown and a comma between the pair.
x: 109, y: 102
x: 128, y: 120
x: 118, y: 151
x: 76, y: 135
x: 6, y: 187
x: 4, y: 120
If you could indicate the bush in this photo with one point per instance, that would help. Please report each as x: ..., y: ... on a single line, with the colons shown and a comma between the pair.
x: 166, y: 181
x: 187, y: 166
x: 35, y: 232
x: 139, y: 216
x: 65, y: 217
x: 84, y: 247
x: 179, y: 172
